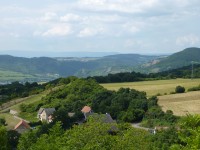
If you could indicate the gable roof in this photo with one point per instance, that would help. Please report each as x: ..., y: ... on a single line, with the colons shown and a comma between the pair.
x: 49, y: 111
x: 22, y: 123
x: 40, y: 110
x: 86, y: 109
x: 104, y: 118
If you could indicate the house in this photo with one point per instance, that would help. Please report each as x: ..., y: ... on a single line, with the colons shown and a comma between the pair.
x: 22, y: 126
x: 87, y: 111
x: 45, y: 114
x: 104, y: 118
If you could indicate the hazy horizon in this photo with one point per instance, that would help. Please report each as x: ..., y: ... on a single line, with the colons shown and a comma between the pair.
x: 31, y: 54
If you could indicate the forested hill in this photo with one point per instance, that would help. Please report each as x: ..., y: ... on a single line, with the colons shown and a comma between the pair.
x: 183, y: 72
x: 52, y: 68
x: 177, y: 60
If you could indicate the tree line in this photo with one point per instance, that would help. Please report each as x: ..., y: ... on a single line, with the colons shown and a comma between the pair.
x: 184, y: 72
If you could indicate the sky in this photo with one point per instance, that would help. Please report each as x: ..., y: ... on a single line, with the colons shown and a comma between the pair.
x: 124, y: 26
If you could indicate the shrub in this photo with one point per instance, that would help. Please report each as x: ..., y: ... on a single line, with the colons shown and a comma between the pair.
x: 180, y: 89
x: 197, y: 88
x: 172, y: 92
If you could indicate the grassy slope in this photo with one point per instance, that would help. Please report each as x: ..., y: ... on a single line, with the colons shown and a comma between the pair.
x: 181, y: 104
x: 155, y: 87
x: 11, y: 121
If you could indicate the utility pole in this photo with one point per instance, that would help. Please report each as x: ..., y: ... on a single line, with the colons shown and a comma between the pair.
x: 192, y: 74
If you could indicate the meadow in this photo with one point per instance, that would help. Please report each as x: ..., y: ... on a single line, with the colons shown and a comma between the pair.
x: 162, y: 87
x: 13, y: 76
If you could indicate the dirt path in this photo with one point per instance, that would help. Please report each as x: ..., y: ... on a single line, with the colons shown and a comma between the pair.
x: 4, y: 106
x: 137, y: 125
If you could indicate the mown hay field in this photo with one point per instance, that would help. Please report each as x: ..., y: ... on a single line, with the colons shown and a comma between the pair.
x: 181, y: 104
x: 154, y: 87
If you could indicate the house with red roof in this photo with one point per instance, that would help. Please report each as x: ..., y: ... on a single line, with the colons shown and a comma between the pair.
x: 87, y: 111
x: 22, y: 126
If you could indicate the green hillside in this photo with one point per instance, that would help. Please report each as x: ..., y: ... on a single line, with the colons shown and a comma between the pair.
x: 177, y: 60
x: 44, y: 68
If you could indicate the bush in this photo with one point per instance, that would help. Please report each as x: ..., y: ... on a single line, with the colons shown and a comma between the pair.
x: 180, y: 89
x: 172, y: 92
x: 197, y: 88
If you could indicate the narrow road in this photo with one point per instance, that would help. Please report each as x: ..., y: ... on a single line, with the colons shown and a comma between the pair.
x: 137, y: 125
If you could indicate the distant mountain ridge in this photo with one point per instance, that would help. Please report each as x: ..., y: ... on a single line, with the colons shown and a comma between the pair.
x: 68, y: 66
x: 45, y: 68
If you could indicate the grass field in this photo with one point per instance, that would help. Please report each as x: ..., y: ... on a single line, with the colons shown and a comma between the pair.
x: 10, y: 120
x: 155, y: 87
x: 11, y: 75
x: 181, y: 104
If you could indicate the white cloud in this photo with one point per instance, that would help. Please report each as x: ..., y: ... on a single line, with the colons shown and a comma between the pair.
x: 150, y: 21
x: 124, y: 6
x: 15, y: 35
x: 49, y: 16
x: 188, y: 40
x: 70, y: 18
x: 62, y: 30
x: 88, y: 32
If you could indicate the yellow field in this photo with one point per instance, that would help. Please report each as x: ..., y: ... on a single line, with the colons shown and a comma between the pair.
x: 155, y: 87
x: 181, y: 104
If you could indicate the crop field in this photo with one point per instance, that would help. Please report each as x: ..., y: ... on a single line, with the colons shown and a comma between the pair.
x: 181, y: 104
x: 154, y: 87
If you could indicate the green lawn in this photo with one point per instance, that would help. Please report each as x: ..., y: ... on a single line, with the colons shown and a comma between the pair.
x: 155, y: 87
x: 10, y: 120
x: 29, y: 100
